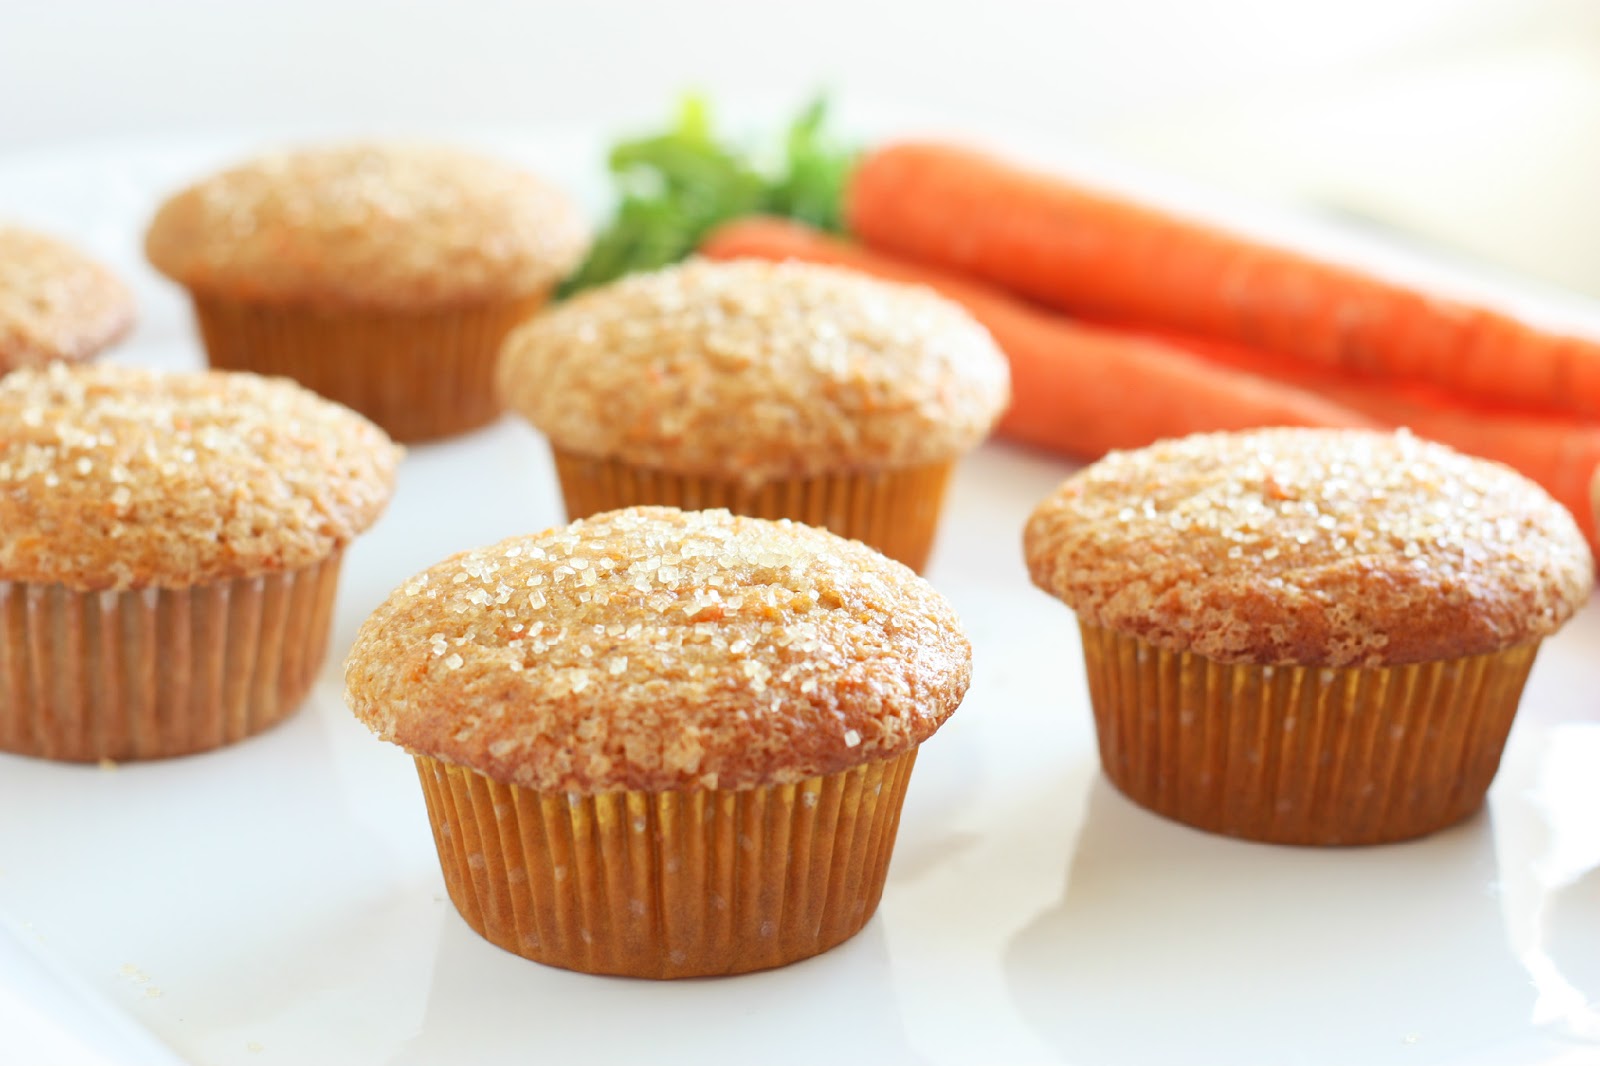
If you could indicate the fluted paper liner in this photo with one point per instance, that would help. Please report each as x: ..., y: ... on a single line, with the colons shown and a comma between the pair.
x: 418, y: 374
x: 690, y: 883
x: 1301, y: 755
x: 152, y: 673
x: 894, y: 511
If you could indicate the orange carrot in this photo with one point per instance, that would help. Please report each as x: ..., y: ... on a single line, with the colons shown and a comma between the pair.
x: 1084, y: 389
x: 1109, y: 259
x: 1561, y: 455
x: 1559, y: 452
x: 1076, y: 389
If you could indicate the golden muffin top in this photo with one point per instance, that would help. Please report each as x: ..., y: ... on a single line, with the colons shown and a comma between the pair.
x: 374, y: 226
x: 55, y: 302
x: 116, y: 478
x: 757, y: 370
x: 657, y: 649
x: 1314, y: 547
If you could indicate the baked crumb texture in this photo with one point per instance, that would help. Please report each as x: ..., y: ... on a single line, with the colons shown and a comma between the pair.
x: 1315, y: 547
x: 55, y: 302
x: 113, y: 478
x: 655, y: 649
x: 758, y: 371
x: 395, y: 227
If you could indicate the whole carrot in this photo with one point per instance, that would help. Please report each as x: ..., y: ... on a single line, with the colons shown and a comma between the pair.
x: 1084, y: 389
x: 1559, y: 452
x: 1107, y: 258
x: 1562, y: 455
x: 1075, y: 388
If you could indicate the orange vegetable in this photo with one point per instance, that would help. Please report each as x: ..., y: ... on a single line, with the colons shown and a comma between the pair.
x: 1075, y: 388
x: 1107, y: 259
x: 1085, y: 389
x: 1561, y: 454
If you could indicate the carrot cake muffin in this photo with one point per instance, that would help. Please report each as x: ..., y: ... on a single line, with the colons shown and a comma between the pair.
x: 56, y: 304
x: 169, y: 545
x: 780, y: 390
x: 663, y: 743
x: 1307, y: 636
x: 382, y: 276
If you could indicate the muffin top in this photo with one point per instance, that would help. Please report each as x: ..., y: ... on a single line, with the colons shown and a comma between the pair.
x: 758, y: 370
x: 55, y: 302
x: 658, y: 649
x: 116, y: 478
x: 375, y: 226
x: 1313, y: 547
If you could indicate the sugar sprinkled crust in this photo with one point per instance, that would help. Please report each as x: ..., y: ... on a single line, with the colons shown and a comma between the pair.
x: 651, y: 648
x: 1316, y: 547
x: 760, y: 370
x: 380, y: 226
x: 55, y: 302
x: 117, y: 478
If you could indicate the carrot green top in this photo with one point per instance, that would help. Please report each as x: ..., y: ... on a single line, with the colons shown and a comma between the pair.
x: 1312, y: 547
x: 369, y: 226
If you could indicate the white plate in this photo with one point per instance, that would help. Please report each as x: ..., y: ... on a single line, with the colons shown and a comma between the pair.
x: 280, y: 902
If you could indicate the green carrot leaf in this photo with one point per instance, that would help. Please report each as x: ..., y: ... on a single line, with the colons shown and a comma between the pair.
x: 676, y: 186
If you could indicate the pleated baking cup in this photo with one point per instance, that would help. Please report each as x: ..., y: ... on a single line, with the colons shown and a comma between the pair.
x: 153, y: 673
x: 692, y: 883
x: 895, y: 511
x: 1302, y: 754
x: 418, y: 374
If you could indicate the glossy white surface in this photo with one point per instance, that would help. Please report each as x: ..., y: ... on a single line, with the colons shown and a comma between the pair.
x: 279, y: 901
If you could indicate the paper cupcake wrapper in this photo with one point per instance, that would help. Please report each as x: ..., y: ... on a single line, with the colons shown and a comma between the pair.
x: 152, y: 673
x: 894, y: 511
x: 1301, y: 755
x: 667, y: 884
x: 419, y: 375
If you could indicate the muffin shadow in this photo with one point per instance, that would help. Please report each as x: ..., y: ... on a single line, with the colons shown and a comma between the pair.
x: 1249, y: 953
x: 484, y: 1001
x: 1574, y: 936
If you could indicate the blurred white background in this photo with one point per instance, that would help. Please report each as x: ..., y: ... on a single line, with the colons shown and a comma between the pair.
x: 1471, y: 124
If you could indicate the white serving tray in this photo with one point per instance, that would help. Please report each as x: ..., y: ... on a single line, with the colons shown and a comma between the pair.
x: 279, y: 902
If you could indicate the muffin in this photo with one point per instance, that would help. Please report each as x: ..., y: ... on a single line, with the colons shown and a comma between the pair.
x: 383, y: 277
x: 56, y: 304
x: 169, y: 545
x: 1307, y: 636
x: 661, y: 743
x: 775, y: 390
